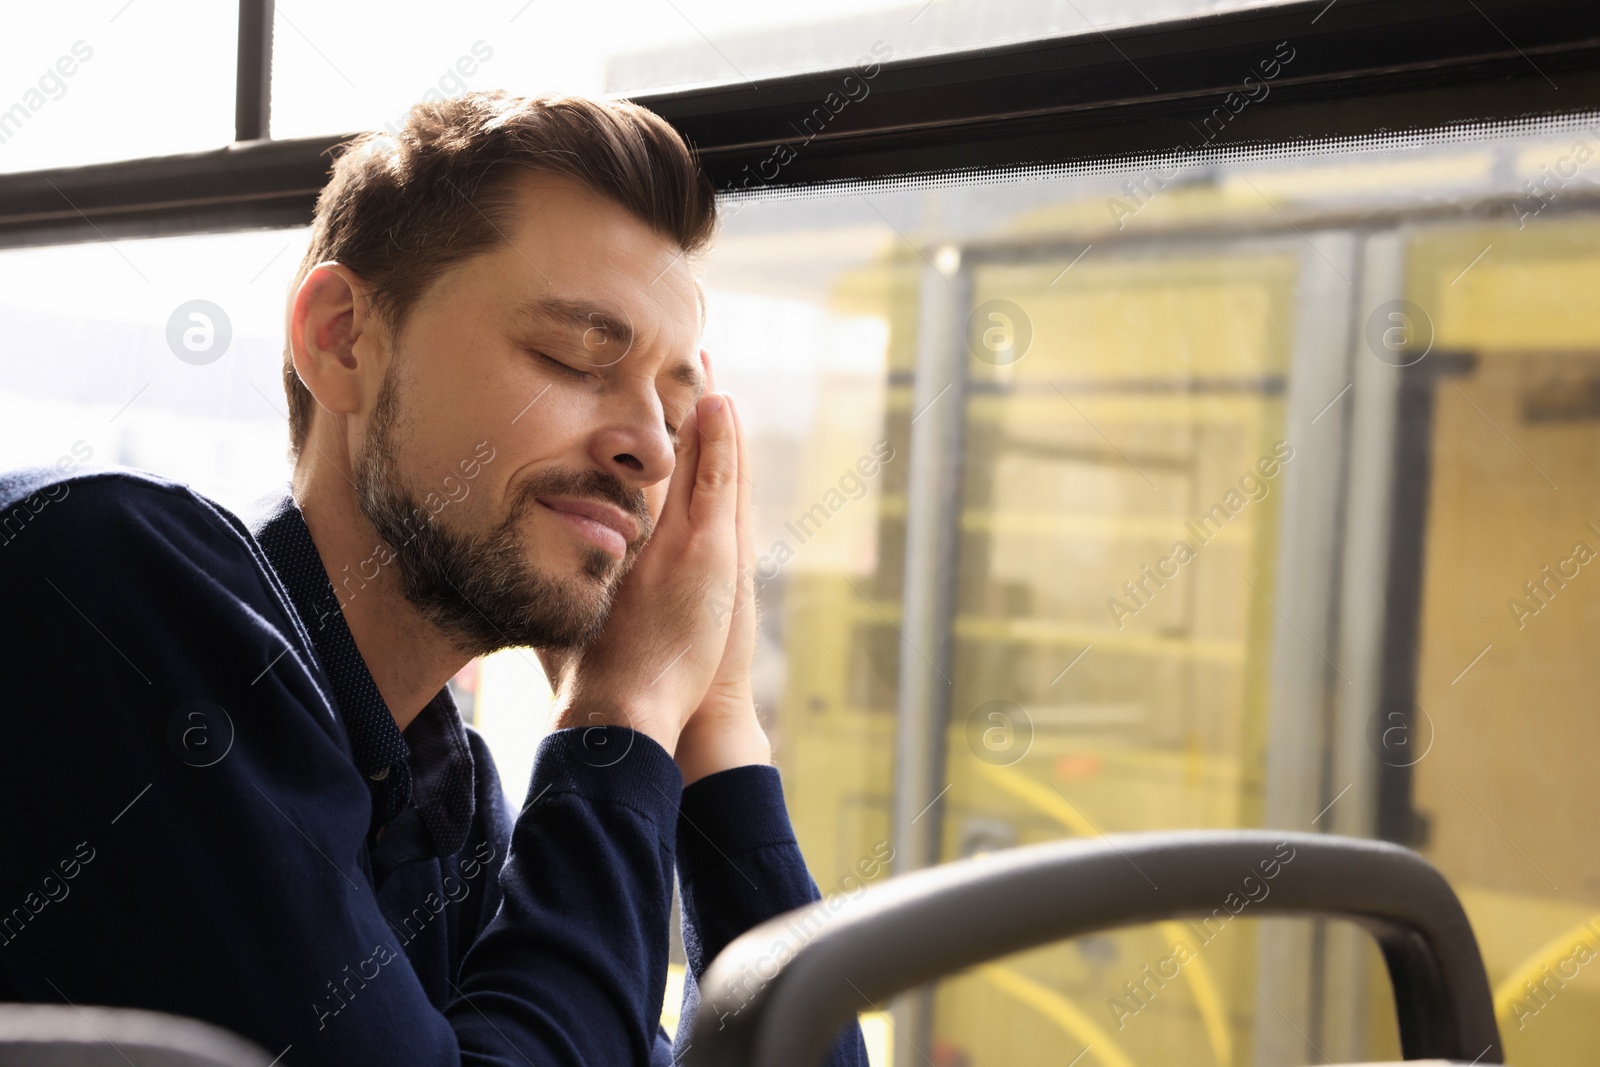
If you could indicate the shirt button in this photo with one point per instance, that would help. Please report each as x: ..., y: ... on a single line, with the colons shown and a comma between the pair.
x: 379, y: 775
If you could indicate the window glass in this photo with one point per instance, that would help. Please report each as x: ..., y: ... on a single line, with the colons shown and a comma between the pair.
x: 160, y: 354
x: 337, y: 70
x: 115, y: 79
x: 1273, y: 509
x: 1503, y: 709
x: 1173, y: 992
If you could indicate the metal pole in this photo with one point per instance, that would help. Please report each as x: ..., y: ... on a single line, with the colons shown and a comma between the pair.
x: 1305, y: 633
x: 933, y: 501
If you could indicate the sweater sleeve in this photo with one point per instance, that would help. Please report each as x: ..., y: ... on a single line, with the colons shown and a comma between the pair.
x: 198, y: 824
x: 739, y: 865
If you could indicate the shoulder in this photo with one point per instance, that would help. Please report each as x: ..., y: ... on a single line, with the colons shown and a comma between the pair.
x: 21, y: 483
x: 101, y: 512
x: 140, y: 571
x: 138, y: 544
x: 101, y: 492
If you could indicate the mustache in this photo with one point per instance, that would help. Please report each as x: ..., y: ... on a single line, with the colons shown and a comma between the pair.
x: 591, y: 483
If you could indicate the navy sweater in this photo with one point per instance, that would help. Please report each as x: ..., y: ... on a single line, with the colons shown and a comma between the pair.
x: 211, y: 812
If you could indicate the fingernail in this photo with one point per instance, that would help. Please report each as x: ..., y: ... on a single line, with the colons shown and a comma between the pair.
x: 713, y: 403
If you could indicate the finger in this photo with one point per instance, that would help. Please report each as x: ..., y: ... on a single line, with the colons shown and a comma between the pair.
x: 711, y: 376
x: 715, y: 497
x: 711, y: 387
x: 680, y: 488
x: 744, y: 518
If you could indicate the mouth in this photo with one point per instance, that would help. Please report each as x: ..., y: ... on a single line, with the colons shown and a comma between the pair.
x: 602, y: 525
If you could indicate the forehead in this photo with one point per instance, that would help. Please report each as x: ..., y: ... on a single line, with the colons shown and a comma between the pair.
x: 569, y: 247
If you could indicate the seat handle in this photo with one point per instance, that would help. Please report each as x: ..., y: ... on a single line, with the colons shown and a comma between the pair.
x: 777, y: 995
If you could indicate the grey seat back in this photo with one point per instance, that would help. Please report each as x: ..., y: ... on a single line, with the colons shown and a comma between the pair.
x: 61, y: 1035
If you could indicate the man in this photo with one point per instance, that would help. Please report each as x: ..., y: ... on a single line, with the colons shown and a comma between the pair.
x: 238, y: 788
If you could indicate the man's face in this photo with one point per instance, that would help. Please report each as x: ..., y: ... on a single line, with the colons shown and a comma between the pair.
x: 518, y: 453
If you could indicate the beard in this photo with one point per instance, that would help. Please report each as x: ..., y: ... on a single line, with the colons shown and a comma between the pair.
x: 480, y: 589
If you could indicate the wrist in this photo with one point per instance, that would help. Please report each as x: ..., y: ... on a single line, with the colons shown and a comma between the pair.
x: 660, y: 725
x: 710, y: 743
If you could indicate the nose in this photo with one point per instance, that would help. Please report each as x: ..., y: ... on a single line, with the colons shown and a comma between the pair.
x: 631, y: 441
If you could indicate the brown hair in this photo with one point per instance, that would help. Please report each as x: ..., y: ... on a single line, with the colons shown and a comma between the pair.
x: 401, y: 208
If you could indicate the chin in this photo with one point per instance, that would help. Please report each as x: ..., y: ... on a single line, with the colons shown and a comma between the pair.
x: 601, y: 566
x: 590, y: 588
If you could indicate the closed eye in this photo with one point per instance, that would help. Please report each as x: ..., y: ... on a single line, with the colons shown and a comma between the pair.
x: 683, y: 424
x: 672, y: 431
x: 558, y: 365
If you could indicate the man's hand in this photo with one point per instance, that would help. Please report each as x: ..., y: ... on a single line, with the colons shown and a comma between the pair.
x: 724, y: 732
x: 652, y: 665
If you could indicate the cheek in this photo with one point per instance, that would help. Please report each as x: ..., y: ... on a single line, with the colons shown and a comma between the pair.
x: 558, y: 429
x: 434, y: 433
x: 550, y: 433
x: 656, y: 498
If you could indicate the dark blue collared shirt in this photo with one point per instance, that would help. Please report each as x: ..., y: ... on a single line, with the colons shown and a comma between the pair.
x: 440, y: 787
x: 212, y: 812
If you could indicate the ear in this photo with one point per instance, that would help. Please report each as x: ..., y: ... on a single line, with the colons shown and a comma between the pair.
x: 334, y: 337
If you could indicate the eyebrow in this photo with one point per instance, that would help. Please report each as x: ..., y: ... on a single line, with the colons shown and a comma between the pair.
x: 582, y: 316
x: 579, y: 315
x: 687, y: 374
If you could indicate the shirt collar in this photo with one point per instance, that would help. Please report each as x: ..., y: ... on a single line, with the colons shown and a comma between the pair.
x: 430, y: 764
